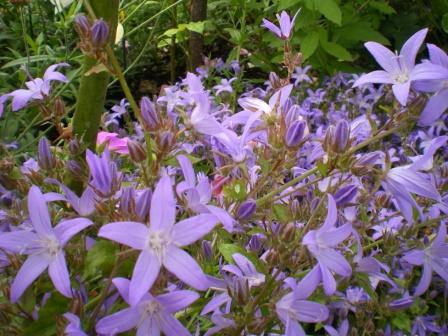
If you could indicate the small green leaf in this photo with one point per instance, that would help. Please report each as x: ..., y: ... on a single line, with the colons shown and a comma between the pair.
x: 32, y: 59
x: 330, y: 9
x: 227, y: 250
x: 100, y: 258
x: 445, y: 22
x: 309, y: 44
x: 235, y: 191
x: 197, y: 27
x: 382, y: 7
x: 337, y: 51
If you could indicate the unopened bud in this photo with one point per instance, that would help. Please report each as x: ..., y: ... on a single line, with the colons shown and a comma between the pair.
x: 240, y: 290
x: 255, y: 243
x: 275, y: 80
x: 273, y: 257
x: 207, y: 249
x: 165, y: 140
x: 100, y: 33
x: 82, y: 25
x: 45, y: 157
x: 59, y: 107
x: 345, y: 194
x: 127, y: 201
x: 382, y: 200
x: 246, y: 209
x: 74, y: 147
x: 341, y: 136
x: 143, y: 205
x: 295, y: 133
x: 75, y: 169
x: 137, y: 152
x: 287, y: 233
x: 149, y: 114
x: 362, y: 164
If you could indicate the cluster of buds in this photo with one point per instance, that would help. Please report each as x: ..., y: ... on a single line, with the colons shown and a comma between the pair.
x: 337, y: 137
x: 94, y: 36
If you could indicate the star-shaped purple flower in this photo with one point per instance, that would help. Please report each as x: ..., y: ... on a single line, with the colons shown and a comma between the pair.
x: 160, y: 243
x: 44, y: 245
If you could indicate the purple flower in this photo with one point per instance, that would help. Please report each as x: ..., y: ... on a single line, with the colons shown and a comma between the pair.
x: 438, y: 103
x: 104, y: 173
x: 434, y: 257
x: 73, y: 328
x: 161, y: 242
x: 151, y: 315
x: 220, y: 323
x: 400, y: 70
x: 199, y: 193
x: 45, y: 247
x: 38, y: 89
x: 300, y: 75
x: 285, y: 23
x: 321, y: 243
x: 293, y: 308
x: 224, y: 86
x: 117, y: 112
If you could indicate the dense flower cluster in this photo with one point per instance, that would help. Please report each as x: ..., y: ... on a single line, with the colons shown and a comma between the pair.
x: 301, y: 208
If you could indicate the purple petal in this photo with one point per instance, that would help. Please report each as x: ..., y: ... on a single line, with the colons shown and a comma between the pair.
x: 272, y: 27
x: 132, y: 234
x: 414, y: 182
x: 382, y: 55
x: 335, y: 236
x: 215, y: 303
x: 435, y: 107
x: 37, y: 207
x: 149, y: 327
x: 440, y: 266
x: 437, y: 55
x: 171, y: 326
x: 145, y: 273
x: 163, y: 206
x: 415, y: 257
x: 190, y: 230
x: 308, y: 311
x: 309, y: 283
x: 18, y: 241
x: 285, y: 24
x: 412, y: 45
x: 181, y: 264
x: 376, y: 77
x: 59, y: 275
x: 244, y: 264
x: 332, y: 215
x: 122, y: 285
x: 425, y: 161
x: 401, y: 92
x: 428, y: 71
x: 439, y: 241
x: 177, y: 300
x: 67, y: 229
x: 20, y: 98
x: 223, y: 216
x: 335, y: 262
x: 187, y: 170
x: 328, y: 280
x: 425, y: 280
x: 121, y: 321
x: 30, y: 270
x: 293, y: 328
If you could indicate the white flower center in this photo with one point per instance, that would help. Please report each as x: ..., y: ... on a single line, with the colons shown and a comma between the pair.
x: 150, y: 308
x: 158, y: 242
x: 401, y: 78
x: 50, y: 245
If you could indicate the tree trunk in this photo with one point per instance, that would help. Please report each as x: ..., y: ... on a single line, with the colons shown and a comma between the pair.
x: 93, y: 88
x: 198, y: 13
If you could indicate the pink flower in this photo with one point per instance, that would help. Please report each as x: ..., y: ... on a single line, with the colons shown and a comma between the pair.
x: 113, y: 142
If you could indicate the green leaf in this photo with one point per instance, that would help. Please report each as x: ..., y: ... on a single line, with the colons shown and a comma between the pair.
x: 282, y: 213
x: 444, y: 22
x: 336, y: 50
x: 330, y: 9
x: 227, y: 250
x: 361, y: 31
x: 382, y: 7
x: 100, y: 258
x: 309, y: 44
x: 235, y: 190
x: 33, y: 59
x: 402, y: 322
x: 284, y: 4
x: 197, y: 27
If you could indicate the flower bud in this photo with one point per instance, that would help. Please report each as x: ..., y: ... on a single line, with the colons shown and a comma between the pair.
x: 136, y: 151
x: 149, y: 114
x: 59, y: 107
x: 207, y: 249
x: 340, y: 138
x: 255, y: 243
x: 275, y: 80
x: 45, y: 157
x: 75, y: 169
x: 246, y: 209
x: 314, y: 203
x: 287, y: 232
x: 345, y: 194
x: 100, y: 33
x: 143, y: 205
x: 295, y: 133
x: 74, y: 147
x: 127, y: 202
x: 365, y: 161
x: 82, y: 25
x: 165, y: 140
x: 240, y: 290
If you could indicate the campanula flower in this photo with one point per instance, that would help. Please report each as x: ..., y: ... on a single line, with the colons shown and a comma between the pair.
x: 285, y: 25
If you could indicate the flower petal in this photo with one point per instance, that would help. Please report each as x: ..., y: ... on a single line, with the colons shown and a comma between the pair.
x: 412, y: 45
x: 425, y: 280
x: 328, y: 280
x: 435, y: 107
x: 437, y: 55
x: 37, y: 207
x: 401, y: 92
x: 308, y: 311
x: 163, y: 206
x: 30, y: 270
x: 332, y: 215
x: 383, y: 56
x: 59, y: 275
x: 181, y: 264
x: 335, y: 262
x: 415, y: 257
x: 272, y: 27
x: 190, y: 230
x: 122, y: 285
x: 132, y: 234
x: 374, y: 77
x: 187, y: 170
x: 121, y: 321
x: 145, y: 273
x: 18, y: 241
x: 335, y: 236
x: 177, y: 300
x: 67, y: 229
x: 171, y: 326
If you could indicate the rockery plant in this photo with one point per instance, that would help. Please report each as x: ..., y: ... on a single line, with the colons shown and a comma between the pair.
x: 297, y: 208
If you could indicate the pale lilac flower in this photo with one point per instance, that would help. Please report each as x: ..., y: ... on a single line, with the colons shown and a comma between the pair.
x: 276, y: 102
x: 29, y: 167
x: 224, y: 86
x: 38, y: 89
x: 425, y: 325
x: 151, y: 315
x: 161, y: 242
x: 285, y: 25
x: 198, y: 193
x: 400, y: 70
x: 117, y: 112
x: 220, y: 323
x: 434, y: 257
x: 45, y: 247
x: 321, y: 243
x: 73, y: 328
x: 341, y: 331
x: 104, y: 175
x: 300, y: 75
x: 293, y: 308
x: 438, y: 103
